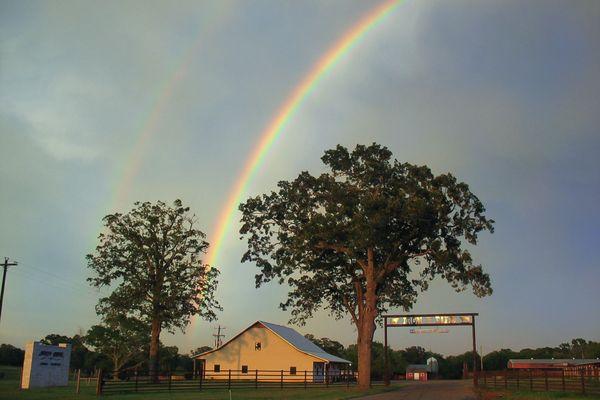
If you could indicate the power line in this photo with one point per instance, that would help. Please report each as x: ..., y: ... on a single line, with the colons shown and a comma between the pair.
x: 56, y: 284
x: 67, y: 283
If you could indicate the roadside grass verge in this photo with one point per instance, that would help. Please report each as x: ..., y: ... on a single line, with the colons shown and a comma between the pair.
x: 9, y: 390
x: 490, y: 394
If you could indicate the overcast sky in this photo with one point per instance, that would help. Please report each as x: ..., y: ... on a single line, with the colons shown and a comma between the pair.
x: 504, y: 94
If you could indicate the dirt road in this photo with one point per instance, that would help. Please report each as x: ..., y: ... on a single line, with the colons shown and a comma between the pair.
x: 432, y: 390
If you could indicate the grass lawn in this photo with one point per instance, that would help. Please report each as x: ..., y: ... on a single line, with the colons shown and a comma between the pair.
x: 526, y: 395
x: 9, y: 390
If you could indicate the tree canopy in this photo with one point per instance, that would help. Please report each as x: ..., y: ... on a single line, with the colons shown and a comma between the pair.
x: 365, y: 236
x: 151, y: 258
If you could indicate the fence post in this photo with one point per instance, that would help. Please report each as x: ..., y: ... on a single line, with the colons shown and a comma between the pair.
x: 546, y: 379
x: 505, y: 379
x: 201, y: 375
x: 282, y: 379
x: 582, y: 381
x: 170, y: 376
x: 229, y: 380
x: 304, y: 379
x: 327, y: 375
x: 255, y: 379
x: 78, y: 379
x: 136, y: 379
x: 563, y: 380
x: 517, y: 379
x: 530, y: 380
x: 347, y: 376
x: 495, y: 380
x: 99, y: 383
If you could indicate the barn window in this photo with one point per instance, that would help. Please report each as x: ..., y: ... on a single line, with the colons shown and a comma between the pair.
x: 257, y: 346
x: 217, y: 368
x: 244, y: 369
x: 292, y: 370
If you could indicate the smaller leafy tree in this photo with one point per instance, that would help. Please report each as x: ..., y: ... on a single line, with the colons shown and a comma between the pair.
x: 169, y: 358
x: 123, y: 339
x: 11, y: 355
x: 151, y: 257
x: 329, y: 345
x: 200, y: 350
x: 79, y: 352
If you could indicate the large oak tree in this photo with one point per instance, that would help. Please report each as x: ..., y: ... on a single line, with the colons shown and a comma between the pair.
x: 151, y: 258
x: 364, y: 237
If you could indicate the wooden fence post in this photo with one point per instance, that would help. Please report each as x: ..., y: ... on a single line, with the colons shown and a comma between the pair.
x: 78, y: 379
x: 546, y: 379
x: 170, y: 378
x: 495, y: 380
x: 304, y: 379
x: 229, y: 380
x: 136, y: 379
x: 517, y: 379
x: 201, y: 372
x: 563, y: 380
x: 99, y: 383
x: 505, y: 379
x: 281, y: 379
x: 255, y: 379
x: 347, y: 376
x: 530, y: 380
x: 327, y: 375
x: 582, y: 381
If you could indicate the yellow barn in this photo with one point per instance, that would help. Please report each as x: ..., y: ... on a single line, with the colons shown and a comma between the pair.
x: 265, y: 349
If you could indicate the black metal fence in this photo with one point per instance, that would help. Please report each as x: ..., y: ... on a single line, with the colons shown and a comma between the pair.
x: 225, y: 379
x: 585, y: 381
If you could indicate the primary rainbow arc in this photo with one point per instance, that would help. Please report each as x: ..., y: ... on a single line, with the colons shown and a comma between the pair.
x: 283, y: 116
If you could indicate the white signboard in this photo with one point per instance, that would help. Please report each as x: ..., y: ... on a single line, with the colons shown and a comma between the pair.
x: 431, y: 320
x: 45, y: 365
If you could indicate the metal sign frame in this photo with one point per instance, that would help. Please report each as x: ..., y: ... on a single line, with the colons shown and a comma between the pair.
x: 418, y: 320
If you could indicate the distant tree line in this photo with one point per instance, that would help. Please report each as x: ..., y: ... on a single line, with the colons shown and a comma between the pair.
x: 86, y: 358
x: 89, y: 360
x: 450, y: 367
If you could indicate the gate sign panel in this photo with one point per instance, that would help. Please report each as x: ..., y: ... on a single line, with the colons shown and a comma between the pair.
x: 430, y: 320
x: 435, y: 320
x: 45, y: 365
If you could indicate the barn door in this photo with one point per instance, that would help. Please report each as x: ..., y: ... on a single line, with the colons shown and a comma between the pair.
x: 318, y: 372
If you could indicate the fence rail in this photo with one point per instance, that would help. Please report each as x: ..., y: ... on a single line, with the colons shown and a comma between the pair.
x: 226, y: 379
x: 585, y: 381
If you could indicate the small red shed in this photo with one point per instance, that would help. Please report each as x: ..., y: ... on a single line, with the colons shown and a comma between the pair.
x: 417, y: 372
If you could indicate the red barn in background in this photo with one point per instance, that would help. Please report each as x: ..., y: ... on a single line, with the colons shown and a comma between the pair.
x: 417, y: 372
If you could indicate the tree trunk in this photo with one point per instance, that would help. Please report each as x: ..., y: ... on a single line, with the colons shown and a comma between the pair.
x: 153, y: 357
x: 366, y: 327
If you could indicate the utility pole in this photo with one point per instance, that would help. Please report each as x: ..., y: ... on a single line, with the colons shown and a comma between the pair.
x: 5, y: 265
x: 218, y: 336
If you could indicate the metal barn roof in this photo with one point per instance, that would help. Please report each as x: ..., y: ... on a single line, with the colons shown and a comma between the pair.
x: 551, y: 363
x: 294, y: 338
x: 417, y: 368
x: 301, y: 343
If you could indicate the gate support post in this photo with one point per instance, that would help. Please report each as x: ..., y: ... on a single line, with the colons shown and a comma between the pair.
x: 474, y: 351
x: 386, y: 365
